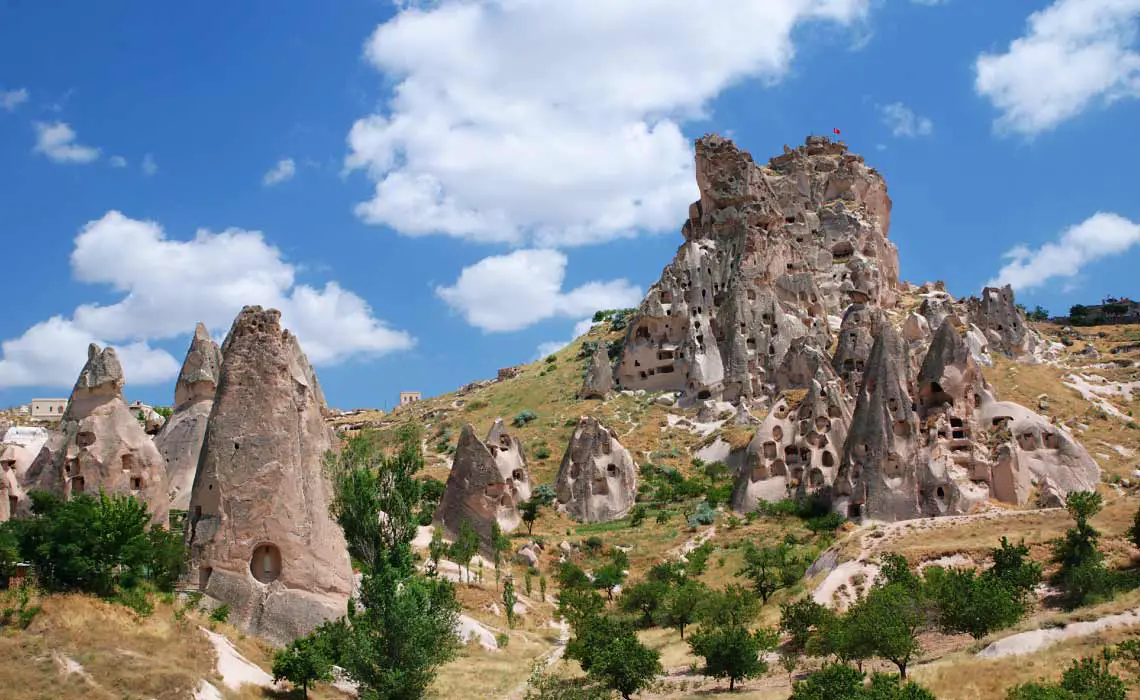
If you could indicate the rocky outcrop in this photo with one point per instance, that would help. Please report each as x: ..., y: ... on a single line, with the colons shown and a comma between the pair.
x: 597, y: 481
x: 599, y: 380
x: 770, y: 252
x: 20, y: 447
x: 100, y: 444
x: 259, y: 531
x: 488, y: 481
x: 997, y: 315
x: 180, y: 440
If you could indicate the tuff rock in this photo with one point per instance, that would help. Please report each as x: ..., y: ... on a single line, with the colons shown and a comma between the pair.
x: 488, y: 481
x: 597, y: 481
x: 100, y: 444
x: 996, y: 314
x: 259, y: 531
x: 180, y: 440
x: 19, y: 449
x: 599, y: 380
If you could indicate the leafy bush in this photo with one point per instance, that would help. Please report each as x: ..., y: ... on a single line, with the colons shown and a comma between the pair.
x: 542, y: 452
x: 704, y: 515
x: 220, y: 613
x: 524, y: 418
x: 551, y: 359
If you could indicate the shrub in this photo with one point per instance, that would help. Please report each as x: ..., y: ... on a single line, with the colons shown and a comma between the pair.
x: 542, y: 452
x: 637, y: 515
x: 704, y: 515
x: 551, y: 359
x: 220, y: 613
x: 524, y: 417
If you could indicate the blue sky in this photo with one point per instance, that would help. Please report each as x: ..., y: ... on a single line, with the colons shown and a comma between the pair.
x: 433, y: 190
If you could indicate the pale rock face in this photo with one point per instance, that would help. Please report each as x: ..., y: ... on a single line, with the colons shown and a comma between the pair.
x: 19, y: 449
x: 937, y: 306
x: 100, y: 444
x: 180, y: 440
x: 1047, y: 452
x: 597, y: 481
x: 770, y: 253
x: 796, y: 449
x: 259, y: 531
x: 488, y: 481
x: 997, y: 315
x: 599, y: 381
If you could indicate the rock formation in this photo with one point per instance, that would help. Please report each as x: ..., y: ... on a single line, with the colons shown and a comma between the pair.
x: 259, y: 531
x: 488, y: 481
x: 890, y: 419
x: 597, y: 481
x: 1003, y: 324
x: 770, y: 253
x: 180, y: 440
x: 100, y: 445
x: 19, y: 449
x: 599, y: 380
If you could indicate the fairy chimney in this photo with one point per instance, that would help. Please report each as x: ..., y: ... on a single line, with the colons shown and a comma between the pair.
x: 597, y: 481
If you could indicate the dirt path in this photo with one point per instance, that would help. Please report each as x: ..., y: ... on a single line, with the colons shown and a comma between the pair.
x: 1035, y: 640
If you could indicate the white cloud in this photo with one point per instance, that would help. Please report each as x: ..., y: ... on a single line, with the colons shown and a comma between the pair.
x: 57, y: 142
x: 11, y: 99
x: 511, y: 292
x: 1075, y: 53
x: 930, y: 3
x: 149, y: 166
x: 903, y: 122
x: 557, y: 122
x: 1100, y: 236
x: 117, y: 162
x: 284, y: 170
x: 553, y: 346
x: 216, y: 274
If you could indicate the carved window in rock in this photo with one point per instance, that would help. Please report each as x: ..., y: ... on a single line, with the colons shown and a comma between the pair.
x: 611, y: 470
x: 777, y: 432
x: 13, y: 502
x: 494, y: 491
x: 805, y: 427
x: 704, y: 394
x: 265, y: 564
x: 85, y: 438
x: 664, y: 354
x: 770, y: 450
x: 957, y: 429
x: 892, y: 466
x: 77, y: 485
x: 1001, y: 421
x: 1052, y: 441
x: 828, y: 459
x: 136, y: 484
x: 779, y: 468
x: 518, y: 475
x: 204, y: 574
x: 71, y: 466
x: 816, y: 480
x: 129, y: 462
x: 833, y: 412
x: 940, y: 493
x: 666, y: 297
x: 792, y: 454
x: 1027, y: 441
x: 901, y: 428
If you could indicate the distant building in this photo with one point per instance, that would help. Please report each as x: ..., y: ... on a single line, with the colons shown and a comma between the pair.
x: 48, y: 409
x: 24, y: 410
x: 407, y: 397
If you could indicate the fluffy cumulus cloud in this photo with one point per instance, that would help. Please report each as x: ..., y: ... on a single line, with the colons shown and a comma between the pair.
x: 1100, y: 236
x: 903, y: 122
x: 168, y: 285
x: 510, y: 292
x: 284, y: 170
x: 57, y: 141
x: 1075, y: 53
x: 11, y: 99
x: 557, y: 123
x: 553, y: 346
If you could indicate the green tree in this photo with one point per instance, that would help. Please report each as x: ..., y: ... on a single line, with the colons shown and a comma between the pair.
x: 437, y: 549
x: 972, y: 603
x: 732, y: 651
x: 610, y: 652
x: 643, y: 598
x: 509, y: 600
x: 732, y: 605
x: 1089, y: 678
x: 302, y: 663
x: 890, y: 618
x: 842, y: 682
x: 465, y: 546
x: 1081, y: 573
x: 400, y: 628
x: 500, y: 544
x: 801, y: 619
x: 608, y: 578
x: 542, y: 589
x: 680, y: 606
x: 1013, y: 566
x: 529, y: 511
x: 1134, y: 531
x: 772, y: 568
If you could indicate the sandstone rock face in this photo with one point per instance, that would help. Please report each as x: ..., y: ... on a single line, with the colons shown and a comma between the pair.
x: 597, y: 481
x: 259, y: 531
x: 488, y: 481
x: 997, y: 315
x: 180, y: 440
x: 19, y: 449
x: 770, y: 253
x: 599, y: 381
x: 100, y: 443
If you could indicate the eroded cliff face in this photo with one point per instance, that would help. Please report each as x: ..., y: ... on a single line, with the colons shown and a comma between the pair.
x: 770, y: 254
x: 100, y: 445
x: 597, y: 480
x: 259, y: 531
x: 785, y: 295
x: 180, y: 440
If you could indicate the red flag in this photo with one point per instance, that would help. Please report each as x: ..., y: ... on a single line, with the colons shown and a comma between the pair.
x: 836, y: 131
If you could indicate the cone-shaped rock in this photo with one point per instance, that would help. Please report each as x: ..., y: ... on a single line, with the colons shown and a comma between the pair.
x: 20, y: 447
x: 488, y: 481
x: 260, y: 534
x: 597, y: 481
x: 1004, y: 326
x: 100, y: 444
x: 180, y: 440
x: 599, y: 381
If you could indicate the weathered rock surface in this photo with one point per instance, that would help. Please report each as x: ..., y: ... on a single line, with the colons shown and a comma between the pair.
x: 100, y: 444
x: 770, y: 253
x: 19, y: 449
x: 599, y: 381
x: 488, y: 481
x: 997, y: 315
x: 597, y: 481
x: 180, y: 440
x: 259, y: 531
